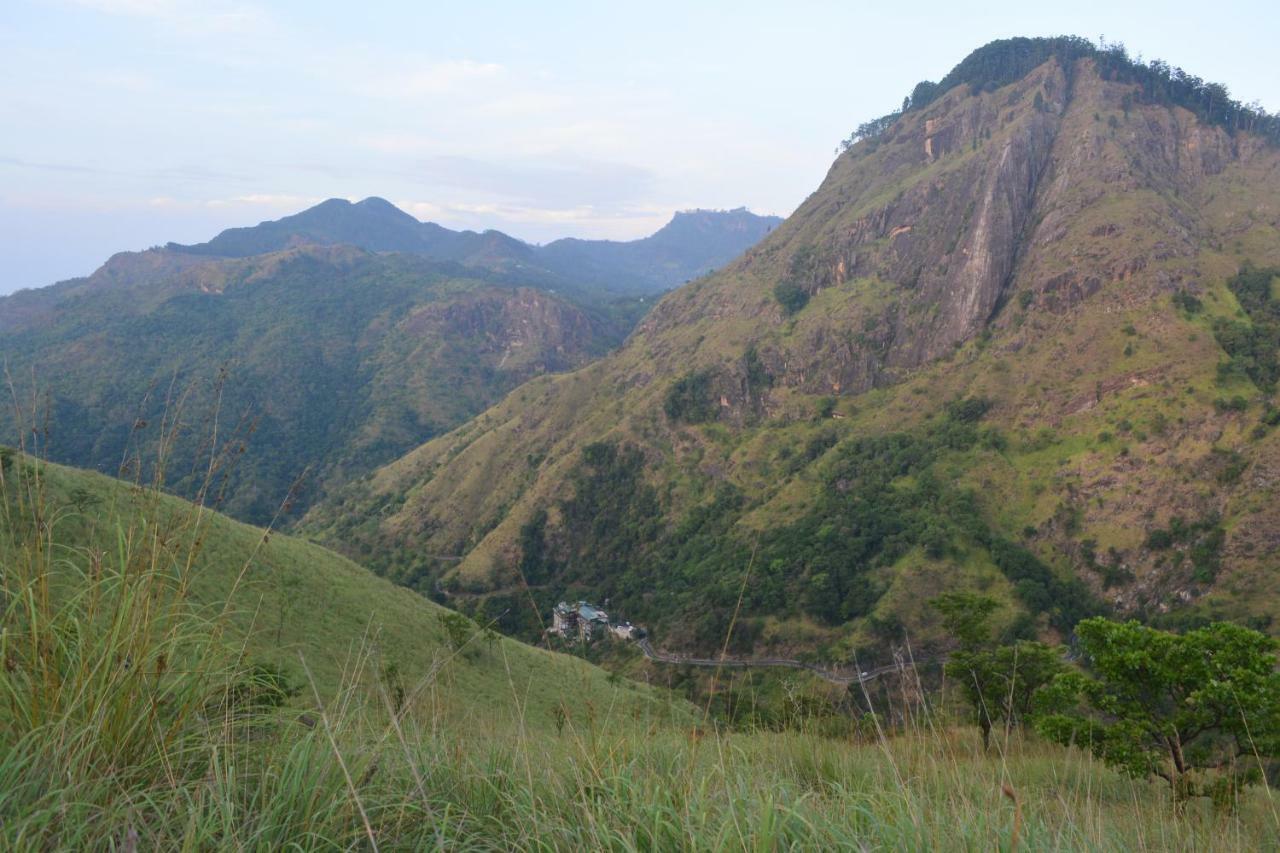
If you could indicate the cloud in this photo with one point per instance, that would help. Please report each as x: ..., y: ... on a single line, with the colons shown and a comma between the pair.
x: 188, y: 17
x: 283, y: 200
x: 131, y: 8
x: 536, y: 223
x: 19, y: 163
x: 189, y: 173
x: 438, y: 78
x: 553, y: 183
x: 279, y: 201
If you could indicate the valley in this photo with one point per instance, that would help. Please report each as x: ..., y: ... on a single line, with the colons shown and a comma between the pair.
x: 324, y: 344
x: 939, y: 514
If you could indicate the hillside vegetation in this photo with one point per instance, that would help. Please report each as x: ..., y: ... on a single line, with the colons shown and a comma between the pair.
x: 325, y: 362
x: 330, y: 342
x: 323, y: 708
x: 282, y: 602
x: 1020, y: 340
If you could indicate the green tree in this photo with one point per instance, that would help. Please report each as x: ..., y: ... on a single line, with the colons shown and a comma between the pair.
x: 791, y: 296
x: 967, y: 617
x: 999, y: 683
x: 690, y: 399
x: 1197, y: 709
x: 458, y: 630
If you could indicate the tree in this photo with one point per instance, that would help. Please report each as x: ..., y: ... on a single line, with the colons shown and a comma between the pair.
x: 458, y: 630
x: 1197, y: 710
x: 690, y: 399
x: 791, y: 296
x: 1000, y: 683
x: 966, y: 617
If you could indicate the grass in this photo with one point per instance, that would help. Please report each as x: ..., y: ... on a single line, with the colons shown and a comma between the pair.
x: 283, y: 599
x: 138, y: 710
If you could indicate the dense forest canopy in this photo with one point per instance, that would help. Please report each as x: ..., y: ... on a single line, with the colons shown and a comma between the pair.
x: 1007, y: 60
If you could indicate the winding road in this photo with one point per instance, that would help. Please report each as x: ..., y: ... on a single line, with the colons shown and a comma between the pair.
x: 834, y: 676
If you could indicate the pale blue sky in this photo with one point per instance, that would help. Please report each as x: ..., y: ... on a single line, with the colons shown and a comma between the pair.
x: 127, y: 123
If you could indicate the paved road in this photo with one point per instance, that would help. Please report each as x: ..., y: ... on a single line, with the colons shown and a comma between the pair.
x: 835, y: 676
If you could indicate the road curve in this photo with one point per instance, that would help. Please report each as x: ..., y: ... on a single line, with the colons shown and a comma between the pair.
x: 834, y: 676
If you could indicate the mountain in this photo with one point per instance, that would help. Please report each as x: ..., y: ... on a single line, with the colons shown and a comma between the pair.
x: 693, y: 243
x: 330, y: 341
x: 1023, y: 338
x: 324, y: 361
x: 373, y: 224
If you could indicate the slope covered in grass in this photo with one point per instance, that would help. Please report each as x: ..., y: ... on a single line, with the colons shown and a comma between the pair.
x: 292, y: 602
x: 137, y: 712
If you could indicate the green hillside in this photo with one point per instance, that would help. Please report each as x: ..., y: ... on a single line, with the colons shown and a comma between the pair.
x: 323, y: 362
x: 136, y: 711
x: 284, y: 600
x: 1021, y: 339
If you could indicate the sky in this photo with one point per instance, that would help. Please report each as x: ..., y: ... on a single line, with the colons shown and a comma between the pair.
x: 129, y: 123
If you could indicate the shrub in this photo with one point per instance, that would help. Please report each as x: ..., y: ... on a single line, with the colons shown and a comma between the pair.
x: 968, y: 410
x: 458, y: 630
x: 1235, y: 404
x: 689, y: 399
x: 1187, y: 302
x: 792, y: 297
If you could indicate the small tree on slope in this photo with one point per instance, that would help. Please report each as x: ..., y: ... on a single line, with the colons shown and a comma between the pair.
x: 1199, y: 710
x: 998, y: 682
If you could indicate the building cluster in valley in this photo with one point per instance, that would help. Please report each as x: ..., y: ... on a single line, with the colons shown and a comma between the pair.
x: 585, y: 622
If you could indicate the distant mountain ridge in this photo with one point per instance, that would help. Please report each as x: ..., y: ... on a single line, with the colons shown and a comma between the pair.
x: 693, y: 243
x: 345, y: 335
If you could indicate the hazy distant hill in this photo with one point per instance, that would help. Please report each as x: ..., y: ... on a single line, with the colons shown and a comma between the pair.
x: 335, y: 357
x: 693, y: 243
x: 344, y: 335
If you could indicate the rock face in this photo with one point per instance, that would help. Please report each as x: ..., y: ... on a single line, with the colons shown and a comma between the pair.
x: 1020, y: 244
x: 953, y: 239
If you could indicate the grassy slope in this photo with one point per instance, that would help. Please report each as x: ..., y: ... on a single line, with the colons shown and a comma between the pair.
x: 298, y: 600
x: 479, y: 762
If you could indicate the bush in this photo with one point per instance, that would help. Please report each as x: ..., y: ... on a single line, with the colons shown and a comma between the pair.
x: 1187, y: 302
x: 458, y: 630
x: 792, y: 297
x: 689, y: 399
x: 968, y: 410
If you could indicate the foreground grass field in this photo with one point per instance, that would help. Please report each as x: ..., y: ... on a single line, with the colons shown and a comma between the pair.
x: 325, y: 709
